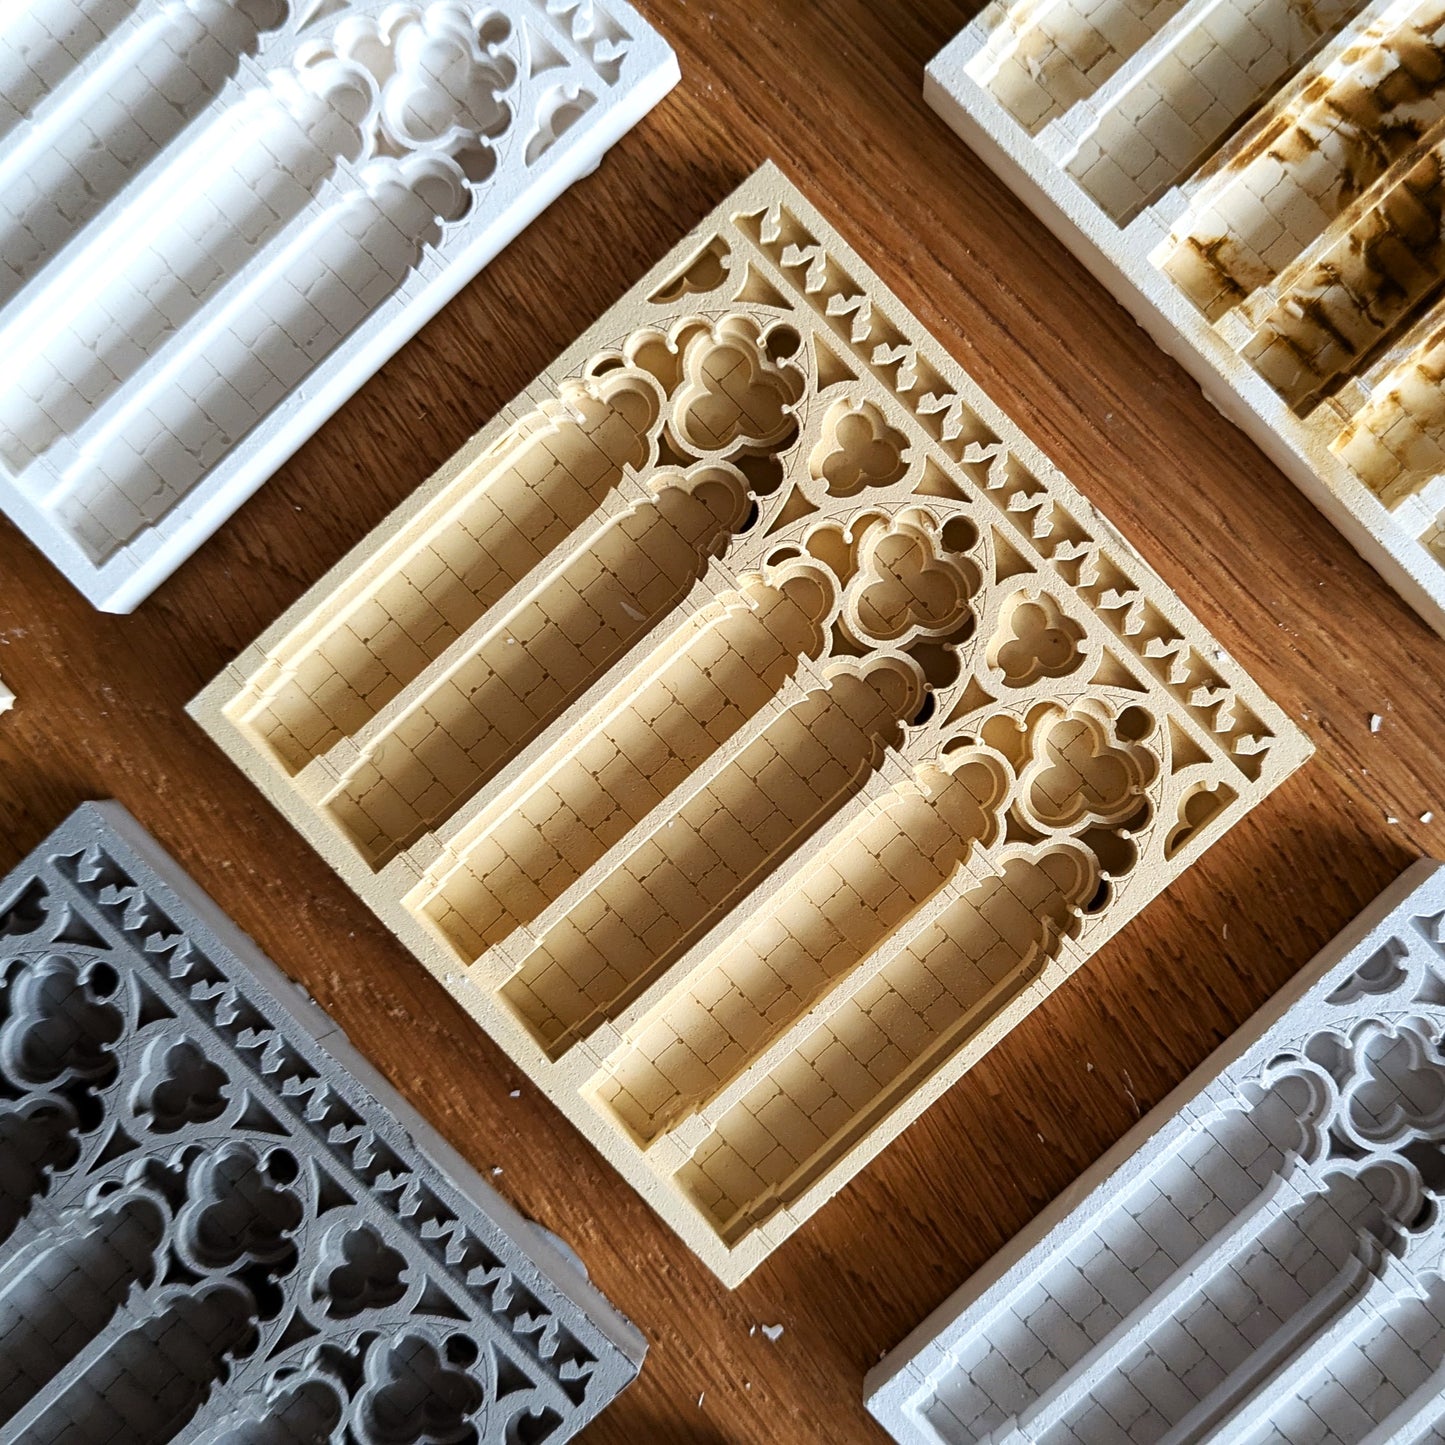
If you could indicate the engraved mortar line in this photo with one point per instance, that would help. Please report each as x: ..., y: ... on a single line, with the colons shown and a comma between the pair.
x: 706, y: 605
x: 968, y: 874
x: 1062, y: 138
x: 756, y: 896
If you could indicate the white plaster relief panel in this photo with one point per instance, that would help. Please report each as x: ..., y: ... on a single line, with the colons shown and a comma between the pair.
x: 1259, y: 182
x: 749, y: 726
x: 1261, y: 1260
x: 219, y: 217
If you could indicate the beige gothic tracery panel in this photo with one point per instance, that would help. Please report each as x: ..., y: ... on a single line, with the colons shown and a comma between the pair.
x: 749, y: 726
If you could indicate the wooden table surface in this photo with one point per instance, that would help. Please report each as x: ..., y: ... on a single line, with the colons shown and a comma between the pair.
x: 832, y: 89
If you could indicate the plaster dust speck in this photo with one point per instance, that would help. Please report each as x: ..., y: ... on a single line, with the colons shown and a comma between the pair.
x: 1260, y: 183
x: 218, y: 1223
x: 1261, y: 1260
x: 749, y: 726
x: 219, y: 217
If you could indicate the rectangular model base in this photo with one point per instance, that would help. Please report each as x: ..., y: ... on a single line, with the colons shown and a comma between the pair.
x: 217, y: 220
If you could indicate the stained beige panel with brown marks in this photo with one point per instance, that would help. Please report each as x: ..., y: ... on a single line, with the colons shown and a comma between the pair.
x: 750, y: 726
x: 1262, y: 183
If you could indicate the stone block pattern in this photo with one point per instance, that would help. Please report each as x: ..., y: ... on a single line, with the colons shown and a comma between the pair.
x: 218, y: 219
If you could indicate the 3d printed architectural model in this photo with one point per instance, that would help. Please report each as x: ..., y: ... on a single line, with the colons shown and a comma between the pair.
x: 1258, y: 181
x: 749, y: 726
x: 210, y: 1227
x: 1260, y: 1262
x: 219, y: 217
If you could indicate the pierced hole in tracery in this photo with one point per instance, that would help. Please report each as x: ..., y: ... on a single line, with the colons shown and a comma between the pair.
x: 283, y: 1166
x: 494, y: 30
x: 782, y: 343
x: 102, y: 980
x: 38, y: 1138
x: 1134, y: 724
x: 765, y: 473
x: 704, y: 271
x: 240, y: 1209
x: 477, y: 163
x: 942, y: 662
x: 461, y: 1351
x: 960, y: 535
x: 1429, y: 1160
x: 1113, y: 847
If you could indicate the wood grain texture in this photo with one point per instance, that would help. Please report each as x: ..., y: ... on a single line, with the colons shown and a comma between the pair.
x: 831, y: 89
